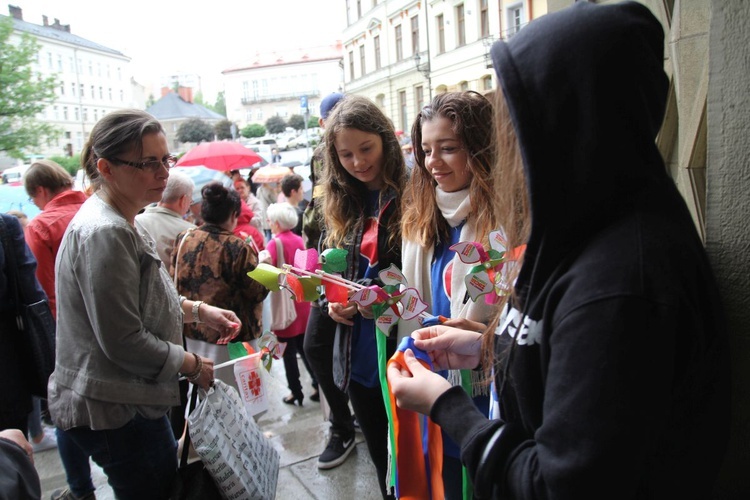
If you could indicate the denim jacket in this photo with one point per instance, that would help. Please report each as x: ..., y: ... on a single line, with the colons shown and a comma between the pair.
x: 119, y: 325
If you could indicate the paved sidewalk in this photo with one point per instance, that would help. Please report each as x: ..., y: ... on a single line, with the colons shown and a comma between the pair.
x: 299, y: 434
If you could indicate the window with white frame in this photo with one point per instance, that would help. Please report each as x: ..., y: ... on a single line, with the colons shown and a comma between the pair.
x: 351, y: 65
x: 440, y: 25
x: 487, y: 82
x: 515, y: 18
x: 376, y: 45
x: 399, y: 43
x: 403, y: 111
x: 460, y: 26
x: 418, y: 98
x: 415, y: 34
x: 362, y: 60
x: 484, y: 18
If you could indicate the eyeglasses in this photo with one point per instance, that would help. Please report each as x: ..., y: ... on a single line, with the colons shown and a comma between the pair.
x: 168, y: 161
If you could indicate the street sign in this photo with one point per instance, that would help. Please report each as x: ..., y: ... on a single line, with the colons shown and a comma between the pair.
x: 303, y: 102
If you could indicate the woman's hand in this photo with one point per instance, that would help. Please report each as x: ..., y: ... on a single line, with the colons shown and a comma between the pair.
x: 206, y: 376
x: 224, y: 321
x: 19, y: 438
x: 449, y: 348
x: 415, y: 387
x: 366, y: 311
x: 342, y: 313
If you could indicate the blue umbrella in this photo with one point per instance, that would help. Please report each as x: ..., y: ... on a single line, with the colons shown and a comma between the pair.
x: 15, y: 198
x: 202, y: 176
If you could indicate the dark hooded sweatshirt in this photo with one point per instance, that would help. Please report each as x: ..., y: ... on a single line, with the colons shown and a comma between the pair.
x: 617, y: 382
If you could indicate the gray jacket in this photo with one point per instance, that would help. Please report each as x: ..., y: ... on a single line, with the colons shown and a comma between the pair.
x: 119, y: 325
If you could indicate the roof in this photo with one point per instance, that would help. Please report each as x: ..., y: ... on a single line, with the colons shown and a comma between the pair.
x: 295, y: 56
x: 172, y: 107
x: 61, y: 36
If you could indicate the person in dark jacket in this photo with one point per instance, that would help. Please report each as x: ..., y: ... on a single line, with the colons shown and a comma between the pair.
x: 15, y: 397
x: 610, y: 356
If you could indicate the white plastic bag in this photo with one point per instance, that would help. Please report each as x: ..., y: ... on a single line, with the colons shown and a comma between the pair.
x: 241, y: 460
x: 250, y: 375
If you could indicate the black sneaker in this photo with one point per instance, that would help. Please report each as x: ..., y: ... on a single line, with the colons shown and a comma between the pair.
x: 66, y: 494
x: 339, y: 447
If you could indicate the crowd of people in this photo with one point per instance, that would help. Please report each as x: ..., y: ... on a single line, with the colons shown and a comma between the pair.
x: 598, y: 368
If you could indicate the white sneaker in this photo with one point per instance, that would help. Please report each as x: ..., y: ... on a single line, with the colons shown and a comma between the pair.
x: 49, y: 441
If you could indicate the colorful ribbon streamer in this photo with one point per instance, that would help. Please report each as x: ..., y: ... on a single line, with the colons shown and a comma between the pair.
x: 416, y: 442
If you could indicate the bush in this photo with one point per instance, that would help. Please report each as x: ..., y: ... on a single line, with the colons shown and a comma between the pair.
x: 253, y: 130
x: 70, y: 163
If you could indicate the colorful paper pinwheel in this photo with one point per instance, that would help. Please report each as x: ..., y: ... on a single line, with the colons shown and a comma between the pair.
x: 268, y: 345
x: 487, y: 276
x: 392, y: 301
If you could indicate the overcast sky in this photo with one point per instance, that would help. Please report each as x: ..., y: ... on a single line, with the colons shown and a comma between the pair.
x: 164, y: 37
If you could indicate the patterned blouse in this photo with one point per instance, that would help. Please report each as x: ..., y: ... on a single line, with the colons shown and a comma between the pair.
x: 212, y: 267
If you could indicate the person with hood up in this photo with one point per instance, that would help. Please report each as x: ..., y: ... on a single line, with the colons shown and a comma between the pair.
x: 610, y: 356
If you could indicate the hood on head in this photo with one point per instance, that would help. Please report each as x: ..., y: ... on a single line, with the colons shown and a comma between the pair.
x: 586, y: 91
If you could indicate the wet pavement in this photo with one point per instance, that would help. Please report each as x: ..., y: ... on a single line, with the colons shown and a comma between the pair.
x: 298, y: 433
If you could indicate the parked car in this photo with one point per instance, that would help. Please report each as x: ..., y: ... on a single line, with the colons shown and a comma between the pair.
x: 301, y: 141
x: 283, y: 142
x: 14, y: 174
x: 267, y: 141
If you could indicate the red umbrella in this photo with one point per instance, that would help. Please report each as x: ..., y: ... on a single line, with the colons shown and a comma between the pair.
x: 220, y: 155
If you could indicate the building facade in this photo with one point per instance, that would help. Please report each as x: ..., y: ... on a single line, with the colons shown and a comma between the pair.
x: 271, y: 84
x: 399, y: 53
x: 92, y: 80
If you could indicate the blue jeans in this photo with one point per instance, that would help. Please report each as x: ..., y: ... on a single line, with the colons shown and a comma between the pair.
x: 139, y: 459
x: 35, y: 418
x: 76, y: 465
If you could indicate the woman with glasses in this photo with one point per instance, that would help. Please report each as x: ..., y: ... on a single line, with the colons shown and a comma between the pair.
x: 119, y: 321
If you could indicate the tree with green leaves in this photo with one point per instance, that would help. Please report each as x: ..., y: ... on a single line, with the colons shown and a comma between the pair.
x: 223, y: 130
x: 195, y: 130
x: 312, y: 122
x: 221, y: 104
x: 253, y: 130
x: 297, y: 122
x: 24, y: 93
x: 275, y: 125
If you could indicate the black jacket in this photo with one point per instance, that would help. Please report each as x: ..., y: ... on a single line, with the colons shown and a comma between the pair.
x: 15, y: 397
x: 617, y: 382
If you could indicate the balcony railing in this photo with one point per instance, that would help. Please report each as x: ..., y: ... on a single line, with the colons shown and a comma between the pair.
x: 279, y: 97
